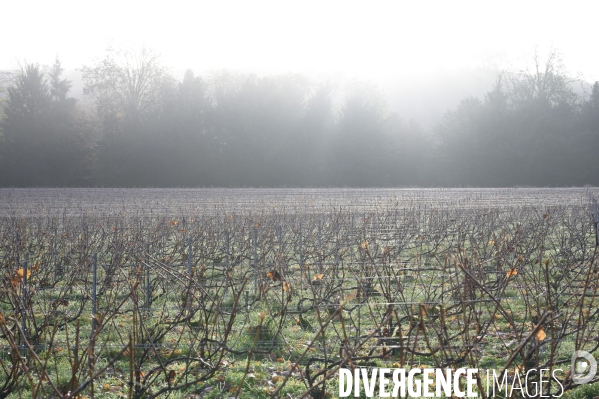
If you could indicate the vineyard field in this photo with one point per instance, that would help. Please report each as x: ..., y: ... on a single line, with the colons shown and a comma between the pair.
x: 258, y: 293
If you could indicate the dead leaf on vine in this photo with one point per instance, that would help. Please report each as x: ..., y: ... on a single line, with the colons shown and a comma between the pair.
x: 18, y: 277
x: 21, y: 272
x: 541, y: 335
x: 351, y: 296
x: 274, y: 275
x: 513, y: 272
x: 318, y: 276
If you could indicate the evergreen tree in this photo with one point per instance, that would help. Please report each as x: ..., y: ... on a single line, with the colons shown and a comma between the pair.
x: 44, y: 142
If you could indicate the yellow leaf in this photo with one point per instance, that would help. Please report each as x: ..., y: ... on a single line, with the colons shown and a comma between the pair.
x: 20, y: 273
x: 364, y: 245
x: 491, y: 242
x: 286, y: 286
x: 541, y: 335
x: 318, y: 276
x: 513, y: 272
x: 106, y: 387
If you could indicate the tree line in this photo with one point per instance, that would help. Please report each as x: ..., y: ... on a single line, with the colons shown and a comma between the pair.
x: 141, y: 127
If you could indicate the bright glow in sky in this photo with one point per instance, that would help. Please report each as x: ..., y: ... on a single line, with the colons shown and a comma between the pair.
x: 368, y: 39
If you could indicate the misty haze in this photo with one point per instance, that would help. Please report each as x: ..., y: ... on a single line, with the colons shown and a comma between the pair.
x: 136, y: 124
x: 240, y: 94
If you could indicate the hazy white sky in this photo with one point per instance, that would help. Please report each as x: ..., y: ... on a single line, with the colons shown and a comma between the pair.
x: 367, y: 39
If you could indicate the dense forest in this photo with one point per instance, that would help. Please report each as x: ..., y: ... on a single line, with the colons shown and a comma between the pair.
x: 139, y: 126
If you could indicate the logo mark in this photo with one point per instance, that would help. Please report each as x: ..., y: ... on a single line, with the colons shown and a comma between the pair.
x: 583, y: 371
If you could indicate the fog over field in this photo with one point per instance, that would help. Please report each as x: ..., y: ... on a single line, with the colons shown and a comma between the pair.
x: 261, y: 199
x: 267, y: 94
